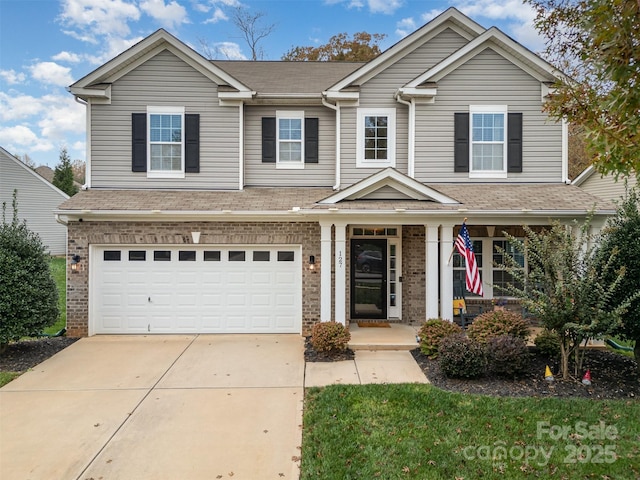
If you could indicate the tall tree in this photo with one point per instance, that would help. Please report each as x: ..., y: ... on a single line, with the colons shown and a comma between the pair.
x: 622, y: 234
x: 362, y: 47
x: 597, y: 45
x: 63, y: 174
x: 252, y: 28
x: 27, y: 160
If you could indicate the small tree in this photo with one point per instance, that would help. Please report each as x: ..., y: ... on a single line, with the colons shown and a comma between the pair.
x: 622, y: 234
x: 567, y: 286
x: 63, y: 174
x: 28, y: 293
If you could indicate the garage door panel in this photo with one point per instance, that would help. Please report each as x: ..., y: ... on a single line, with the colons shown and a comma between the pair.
x: 211, y: 294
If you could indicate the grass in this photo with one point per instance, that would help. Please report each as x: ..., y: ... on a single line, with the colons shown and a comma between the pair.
x: 418, y: 431
x: 6, y: 377
x: 58, y: 270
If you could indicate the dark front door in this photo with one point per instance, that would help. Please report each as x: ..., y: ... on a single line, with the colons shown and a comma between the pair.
x: 368, y: 278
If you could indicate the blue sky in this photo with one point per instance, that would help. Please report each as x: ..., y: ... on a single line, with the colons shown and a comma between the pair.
x: 45, y: 45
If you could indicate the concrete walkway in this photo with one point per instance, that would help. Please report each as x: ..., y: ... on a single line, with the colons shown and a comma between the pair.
x: 160, y: 407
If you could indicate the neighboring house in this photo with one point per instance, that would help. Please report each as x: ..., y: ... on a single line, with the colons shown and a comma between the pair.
x: 48, y: 173
x: 37, y: 200
x: 604, y: 186
x: 266, y: 196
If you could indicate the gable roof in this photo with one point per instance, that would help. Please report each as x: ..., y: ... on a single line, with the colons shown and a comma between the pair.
x: 451, y: 18
x: 389, y: 177
x: 501, y: 44
x: 6, y: 156
x: 97, y: 83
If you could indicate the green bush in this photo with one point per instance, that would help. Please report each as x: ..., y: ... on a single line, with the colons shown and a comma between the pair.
x: 548, y: 343
x: 461, y: 357
x: 432, y: 332
x: 495, y: 323
x: 507, y: 355
x: 28, y: 294
x: 329, y: 336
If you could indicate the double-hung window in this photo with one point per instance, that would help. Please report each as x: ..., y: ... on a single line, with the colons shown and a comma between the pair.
x: 166, y: 142
x: 290, y: 139
x: 488, y: 140
x: 376, y: 140
x: 502, y: 278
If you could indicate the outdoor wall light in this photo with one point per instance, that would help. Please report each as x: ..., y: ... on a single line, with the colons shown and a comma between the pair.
x: 75, y: 260
x: 312, y: 262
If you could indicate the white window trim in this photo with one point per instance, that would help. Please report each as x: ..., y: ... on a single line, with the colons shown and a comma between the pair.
x: 390, y: 113
x: 284, y: 114
x: 153, y: 110
x: 502, y: 109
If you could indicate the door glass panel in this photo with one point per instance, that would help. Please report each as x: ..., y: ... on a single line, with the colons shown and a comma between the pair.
x: 368, y: 278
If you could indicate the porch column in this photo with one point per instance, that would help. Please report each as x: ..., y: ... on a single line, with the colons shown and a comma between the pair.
x: 446, y: 273
x: 341, y: 273
x: 431, y: 269
x: 325, y: 272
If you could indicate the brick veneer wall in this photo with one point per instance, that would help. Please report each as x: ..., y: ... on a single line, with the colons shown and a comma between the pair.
x: 413, y: 274
x: 83, y: 234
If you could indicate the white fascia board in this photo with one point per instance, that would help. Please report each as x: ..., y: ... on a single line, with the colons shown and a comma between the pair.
x: 414, y: 92
x: 451, y: 18
x: 586, y: 173
x: 502, y: 44
x: 97, y: 95
x: 241, y: 95
x: 341, y: 96
x: 183, y: 215
x: 156, y: 42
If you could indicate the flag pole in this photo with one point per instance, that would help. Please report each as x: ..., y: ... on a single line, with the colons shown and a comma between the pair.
x: 454, y: 246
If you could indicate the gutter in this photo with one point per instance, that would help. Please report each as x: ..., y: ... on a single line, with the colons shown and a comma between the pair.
x: 335, y: 108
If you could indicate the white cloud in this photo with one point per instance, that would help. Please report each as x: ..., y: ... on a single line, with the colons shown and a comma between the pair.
x: 430, y: 15
x: 20, y: 137
x: 218, y: 15
x: 405, y: 26
x: 51, y: 73
x: 114, y: 47
x: 67, y: 57
x: 12, y: 77
x: 62, y: 115
x: 170, y: 15
x: 229, y: 51
x: 384, y: 6
x: 91, y: 18
x: 201, y: 7
x: 14, y: 107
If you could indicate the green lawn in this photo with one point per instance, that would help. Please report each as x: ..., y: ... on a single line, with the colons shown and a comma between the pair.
x: 421, y: 432
x: 58, y: 270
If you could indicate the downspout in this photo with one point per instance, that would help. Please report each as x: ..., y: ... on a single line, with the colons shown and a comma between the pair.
x: 411, y: 129
x: 87, y: 166
x: 241, y: 146
x: 335, y: 108
x: 565, y: 151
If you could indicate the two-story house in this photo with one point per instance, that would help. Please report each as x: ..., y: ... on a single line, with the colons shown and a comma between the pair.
x: 228, y: 196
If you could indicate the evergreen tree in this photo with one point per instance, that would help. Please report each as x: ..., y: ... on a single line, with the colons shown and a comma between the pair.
x: 63, y: 174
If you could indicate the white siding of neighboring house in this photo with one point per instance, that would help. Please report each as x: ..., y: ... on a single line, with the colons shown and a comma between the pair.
x: 607, y: 187
x: 321, y: 174
x: 37, y: 199
x: 164, y: 80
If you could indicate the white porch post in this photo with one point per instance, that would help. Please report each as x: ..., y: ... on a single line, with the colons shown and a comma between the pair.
x: 446, y: 273
x: 341, y: 273
x: 325, y: 272
x: 431, y: 269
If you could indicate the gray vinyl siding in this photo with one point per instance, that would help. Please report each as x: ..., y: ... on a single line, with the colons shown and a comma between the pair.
x: 379, y: 92
x: 321, y: 174
x: 37, y: 199
x: 164, y: 80
x: 606, y: 187
x: 487, y: 79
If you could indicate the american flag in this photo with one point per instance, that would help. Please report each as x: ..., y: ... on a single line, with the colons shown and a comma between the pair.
x: 465, y: 248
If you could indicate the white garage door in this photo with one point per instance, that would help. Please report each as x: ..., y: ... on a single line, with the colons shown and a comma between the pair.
x: 189, y: 289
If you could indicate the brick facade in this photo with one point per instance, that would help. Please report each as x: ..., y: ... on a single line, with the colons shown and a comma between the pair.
x: 83, y: 234
x: 413, y: 274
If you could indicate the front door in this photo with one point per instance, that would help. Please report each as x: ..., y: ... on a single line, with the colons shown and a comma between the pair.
x: 368, y: 278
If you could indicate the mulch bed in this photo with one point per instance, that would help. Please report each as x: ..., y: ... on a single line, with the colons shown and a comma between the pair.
x: 26, y: 354
x: 612, y: 376
x: 311, y: 355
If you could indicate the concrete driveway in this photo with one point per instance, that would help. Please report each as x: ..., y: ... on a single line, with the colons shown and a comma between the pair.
x: 158, y: 407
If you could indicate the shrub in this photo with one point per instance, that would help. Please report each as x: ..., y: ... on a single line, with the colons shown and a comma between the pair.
x: 432, y: 332
x: 461, y: 356
x: 495, y: 323
x: 548, y: 343
x: 507, y: 355
x: 28, y: 293
x: 329, y: 336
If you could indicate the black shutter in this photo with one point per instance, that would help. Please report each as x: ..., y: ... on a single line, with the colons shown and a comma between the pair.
x: 138, y: 142
x: 310, y: 140
x: 461, y: 147
x: 192, y: 143
x: 514, y: 146
x: 269, y: 139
